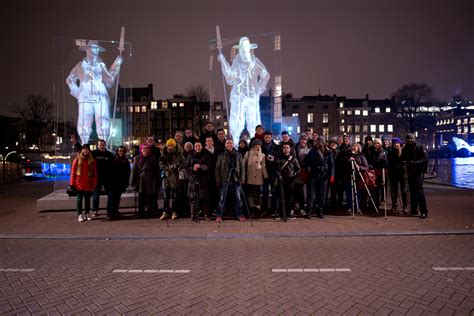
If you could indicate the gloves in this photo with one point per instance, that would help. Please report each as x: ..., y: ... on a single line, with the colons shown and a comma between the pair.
x: 331, y: 181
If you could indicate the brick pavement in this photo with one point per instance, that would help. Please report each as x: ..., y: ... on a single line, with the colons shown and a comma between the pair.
x: 389, y: 275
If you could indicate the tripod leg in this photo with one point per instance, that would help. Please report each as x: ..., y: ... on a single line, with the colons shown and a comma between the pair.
x: 246, y: 204
x: 368, y: 192
x: 384, y: 193
x: 282, y: 200
x: 224, y: 198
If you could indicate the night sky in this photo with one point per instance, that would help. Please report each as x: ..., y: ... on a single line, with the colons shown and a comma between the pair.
x: 350, y: 47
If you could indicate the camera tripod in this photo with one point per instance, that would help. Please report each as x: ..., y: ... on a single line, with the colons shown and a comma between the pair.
x: 232, y: 172
x: 356, y: 167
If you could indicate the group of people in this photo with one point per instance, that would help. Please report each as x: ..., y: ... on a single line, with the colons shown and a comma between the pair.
x: 209, y: 176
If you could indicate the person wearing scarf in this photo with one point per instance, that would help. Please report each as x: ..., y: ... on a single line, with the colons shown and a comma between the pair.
x: 84, y: 180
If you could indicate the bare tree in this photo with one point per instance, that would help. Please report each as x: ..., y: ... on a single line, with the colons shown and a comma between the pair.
x: 199, y: 91
x: 409, y: 98
x: 35, y: 113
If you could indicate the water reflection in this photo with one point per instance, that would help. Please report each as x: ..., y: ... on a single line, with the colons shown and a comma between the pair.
x: 456, y: 171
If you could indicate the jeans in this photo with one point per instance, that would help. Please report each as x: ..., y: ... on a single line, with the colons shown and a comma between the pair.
x: 96, y: 196
x: 267, y: 189
x: 233, y: 190
x: 317, y: 188
x: 86, y: 196
x: 113, y: 202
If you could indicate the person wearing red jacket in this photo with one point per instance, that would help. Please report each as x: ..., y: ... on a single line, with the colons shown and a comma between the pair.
x: 84, y: 180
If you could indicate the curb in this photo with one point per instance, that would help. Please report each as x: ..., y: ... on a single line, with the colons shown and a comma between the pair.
x: 243, y: 236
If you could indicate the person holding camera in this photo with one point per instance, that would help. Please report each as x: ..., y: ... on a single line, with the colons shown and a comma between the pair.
x: 171, y: 162
x: 83, y: 180
x: 228, y: 179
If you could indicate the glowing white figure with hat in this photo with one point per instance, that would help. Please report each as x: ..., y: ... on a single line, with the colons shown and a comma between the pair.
x: 88, y: 82
x: 248, y: 78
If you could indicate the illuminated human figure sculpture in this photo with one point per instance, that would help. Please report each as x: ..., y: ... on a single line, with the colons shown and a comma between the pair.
x: 88, y: 82
x: 248, y: 78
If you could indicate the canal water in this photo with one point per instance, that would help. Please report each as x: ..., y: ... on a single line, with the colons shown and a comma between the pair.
x: 458, y: 172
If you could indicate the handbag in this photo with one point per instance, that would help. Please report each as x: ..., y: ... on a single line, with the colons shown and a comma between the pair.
x: 71, y: 190
x: 304, y: 175
x: 369, y: 178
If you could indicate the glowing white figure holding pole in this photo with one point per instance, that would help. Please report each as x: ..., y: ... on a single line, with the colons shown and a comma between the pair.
x: 248, y: 78
x: 88, y: 82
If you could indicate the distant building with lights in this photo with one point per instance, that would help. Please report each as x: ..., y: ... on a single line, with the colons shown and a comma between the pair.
x: 456, y: 119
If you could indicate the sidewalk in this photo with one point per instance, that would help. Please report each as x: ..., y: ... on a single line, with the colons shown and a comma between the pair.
x: 451, y: 211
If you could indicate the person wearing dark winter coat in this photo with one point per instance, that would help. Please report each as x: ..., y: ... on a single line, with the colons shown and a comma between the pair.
x: 243, y: 147
x: 271, y: 152
x: 360, y: 166
x: 259, y: 134
x: 198, y: 166
x: 320, y: 163
x: 119, y: 180
x: 208, y: 131
x: 416, y: 160
x: 377, y: 161
x: 172, y: 162
x: 302, y: 151
x: 288, y: 170
x: 84, y: 180
x: 396, y: 175
x: 145, y: 181
x: 228, y: 177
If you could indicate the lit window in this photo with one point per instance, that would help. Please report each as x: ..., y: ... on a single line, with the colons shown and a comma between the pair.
x: 325, y: 117
x: 298, y: 129
x: 342, y: 128
x: 277, y: 42
x: 377, y: 110
x: 342, y: 112
x: 164, y: 104
x: 310, y: 117
x: 174, y: 104
x: 465, y: 121
x: 278, y: 89
x: 349, y: 112
x: 381, y: 128
x: 181, y: 105
x: 294, y: 114
x: 373, y: 128
x: 357, y: 128
x: 357, y: 112
x: 357, y: 138
x: 349, y: 128
x: 458, y: 122
x: 326, y: 131
x: 154, y: 105
x: 390, y: 128
x: 143, y: 108
x: 459, y: 129
x: 472, y: 128
x: 225, y: 123
x: 341, y: 104
x: 465, y: 129
x: 365, y: 128
x: 365, y: 112
x: 471, y: 120
x: 137, y: 109
x: 130, y: 109
x: 388, y: 110
x: 218, y: 117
